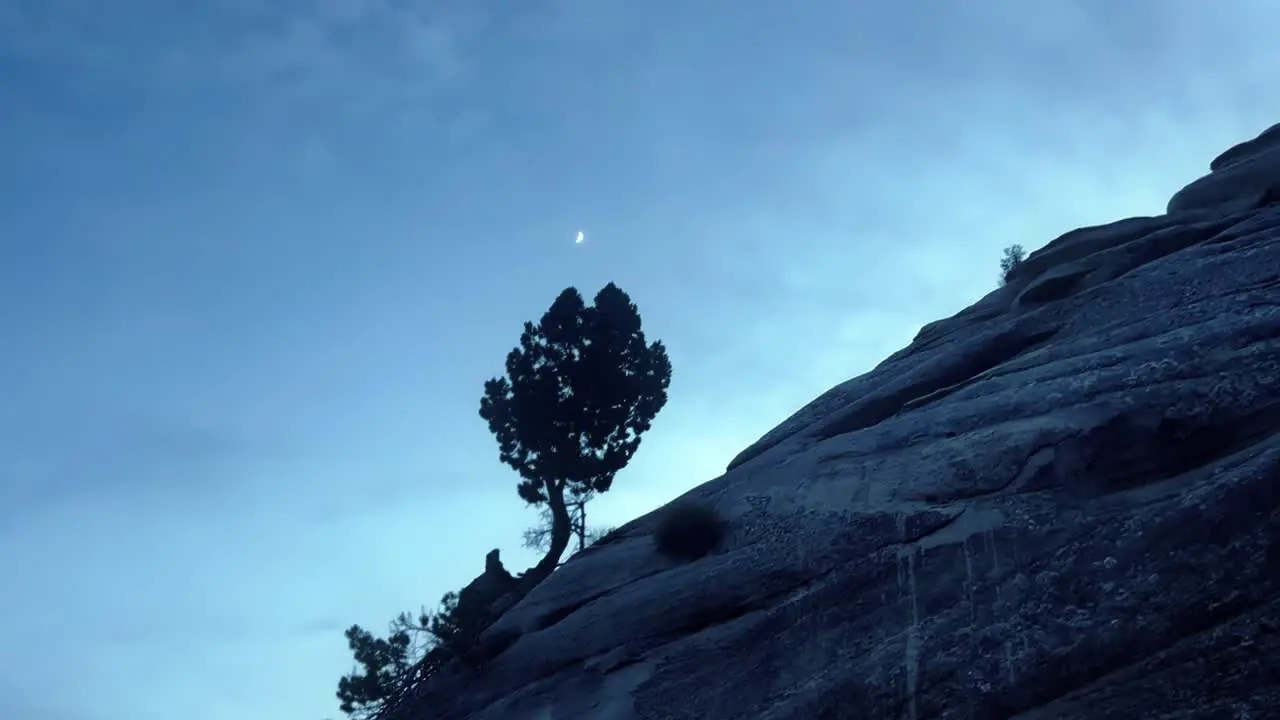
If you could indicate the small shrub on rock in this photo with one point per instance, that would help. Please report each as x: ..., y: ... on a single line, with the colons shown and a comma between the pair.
x: 688, y: 531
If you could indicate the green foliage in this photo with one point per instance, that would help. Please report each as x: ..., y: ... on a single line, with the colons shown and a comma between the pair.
x: 688, y: 531
x: 1013, y: 257
x: 580, y: 389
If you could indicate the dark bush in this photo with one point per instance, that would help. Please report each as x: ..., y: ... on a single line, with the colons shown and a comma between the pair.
x: 688, y: 531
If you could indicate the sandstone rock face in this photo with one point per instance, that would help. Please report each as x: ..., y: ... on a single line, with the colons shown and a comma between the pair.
x: 1063, y: 502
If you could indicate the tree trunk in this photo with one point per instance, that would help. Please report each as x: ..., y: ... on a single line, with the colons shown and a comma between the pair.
x: 582, y: 524
x: 561, y: 533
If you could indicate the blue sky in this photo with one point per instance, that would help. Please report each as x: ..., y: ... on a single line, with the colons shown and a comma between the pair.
x: 258, y: 258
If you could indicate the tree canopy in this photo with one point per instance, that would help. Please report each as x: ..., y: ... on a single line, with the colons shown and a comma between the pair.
x: 580, y: 389
x: 1013, y: 257
x: 384, y: 663
x: 413, y: 648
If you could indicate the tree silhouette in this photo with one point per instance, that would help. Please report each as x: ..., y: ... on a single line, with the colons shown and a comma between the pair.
x: 414, y: 646
x: 580, y: 389
x: 384, y: 666
x: 1013, y: 257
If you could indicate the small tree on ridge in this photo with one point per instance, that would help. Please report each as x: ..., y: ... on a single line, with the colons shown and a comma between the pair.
x: 580, y: 389
x: 1013, y: 257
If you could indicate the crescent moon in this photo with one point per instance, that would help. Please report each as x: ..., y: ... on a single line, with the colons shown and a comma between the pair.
x: 581, y: 237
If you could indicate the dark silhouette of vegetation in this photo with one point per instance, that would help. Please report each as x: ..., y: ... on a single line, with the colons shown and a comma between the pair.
x: 580, y: 390
x: 384, y: 662
x: 688, y: 531
x: 1013, y: 257
x: 414, y: 648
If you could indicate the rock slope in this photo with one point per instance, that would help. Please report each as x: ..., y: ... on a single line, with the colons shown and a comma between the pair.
x: 1062, y: 502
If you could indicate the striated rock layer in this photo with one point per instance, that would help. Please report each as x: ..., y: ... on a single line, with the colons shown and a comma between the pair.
x: 1063, y: 502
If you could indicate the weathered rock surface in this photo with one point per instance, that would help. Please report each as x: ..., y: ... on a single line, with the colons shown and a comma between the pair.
x: 1063, y: 502
x: 1243, y: 177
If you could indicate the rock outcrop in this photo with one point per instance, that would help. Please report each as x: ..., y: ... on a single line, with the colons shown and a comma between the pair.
x: 1244, y: 177
x: 490, y: 587
x: 1062, y: 502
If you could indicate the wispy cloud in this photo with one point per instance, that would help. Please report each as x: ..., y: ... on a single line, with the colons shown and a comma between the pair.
x: 258, y: 42
x: 307, y: 73
x: 48, y: 457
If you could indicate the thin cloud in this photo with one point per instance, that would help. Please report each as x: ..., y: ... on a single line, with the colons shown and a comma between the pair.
x: 46, y: 460
x: 339, y: 57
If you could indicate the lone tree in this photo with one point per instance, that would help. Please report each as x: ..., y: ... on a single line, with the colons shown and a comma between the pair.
x: 1013, y: 257
x: 580, y: 389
